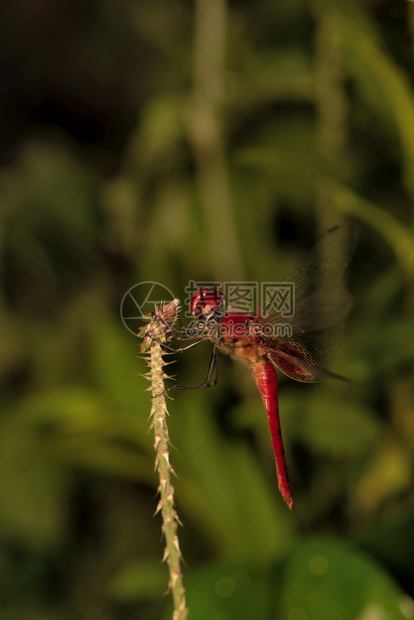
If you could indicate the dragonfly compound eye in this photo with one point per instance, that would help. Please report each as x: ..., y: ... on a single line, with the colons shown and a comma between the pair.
x: 207, y: 304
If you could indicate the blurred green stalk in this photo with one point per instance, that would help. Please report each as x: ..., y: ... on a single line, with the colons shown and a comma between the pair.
x: 155, y: 332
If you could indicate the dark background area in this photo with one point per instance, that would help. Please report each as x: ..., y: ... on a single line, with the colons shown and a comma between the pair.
x: 177, y: 141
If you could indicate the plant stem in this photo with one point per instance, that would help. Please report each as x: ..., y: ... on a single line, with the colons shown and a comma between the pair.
x: 159, y: 413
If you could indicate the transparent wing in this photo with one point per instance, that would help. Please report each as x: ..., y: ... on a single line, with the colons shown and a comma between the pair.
x: 318, y: 303
x: 324, y: 266
x: 320, y: 309
x: 297, y: 362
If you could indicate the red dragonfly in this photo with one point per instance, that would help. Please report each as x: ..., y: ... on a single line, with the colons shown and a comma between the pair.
x: 319, y: 308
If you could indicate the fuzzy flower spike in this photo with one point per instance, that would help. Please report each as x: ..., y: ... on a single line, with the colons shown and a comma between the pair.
x: 158, y: 331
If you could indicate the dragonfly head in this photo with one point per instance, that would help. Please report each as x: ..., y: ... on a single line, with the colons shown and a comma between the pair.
x: 207, y: 304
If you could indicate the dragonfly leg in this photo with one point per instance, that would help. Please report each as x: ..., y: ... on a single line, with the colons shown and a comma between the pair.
x: 183, y: 333
x: 189, y: 346
x: 211, y: 378
x: 170, y: 349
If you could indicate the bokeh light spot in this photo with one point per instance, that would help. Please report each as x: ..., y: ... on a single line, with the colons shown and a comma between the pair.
x: 318, y: 565
x: 225, y: 587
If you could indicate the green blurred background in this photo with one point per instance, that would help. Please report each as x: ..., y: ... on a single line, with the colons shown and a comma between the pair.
x: 168, y: 141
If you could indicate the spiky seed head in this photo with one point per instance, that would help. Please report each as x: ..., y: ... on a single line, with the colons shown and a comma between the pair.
x: 159, y: 324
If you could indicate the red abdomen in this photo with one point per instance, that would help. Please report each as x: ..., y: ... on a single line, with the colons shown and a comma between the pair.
x: 266, y: 380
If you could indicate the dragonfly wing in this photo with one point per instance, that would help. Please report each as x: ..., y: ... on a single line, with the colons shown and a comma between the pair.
x: 324, y: 266
x: 317, y: 312
x: 305, y: 340
x: 320, y: 311
x: 296, y: 362
x: 314, y: 282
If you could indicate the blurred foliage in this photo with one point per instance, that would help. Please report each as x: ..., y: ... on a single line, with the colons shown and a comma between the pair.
x: 171, y: 142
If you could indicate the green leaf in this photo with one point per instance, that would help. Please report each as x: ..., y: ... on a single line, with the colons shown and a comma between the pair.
x: 116, y: 365
x: 327, y: 579
x: 228, y: 592
x: 34, y: 489
x: 330, y: 422
x: 224, y: 489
